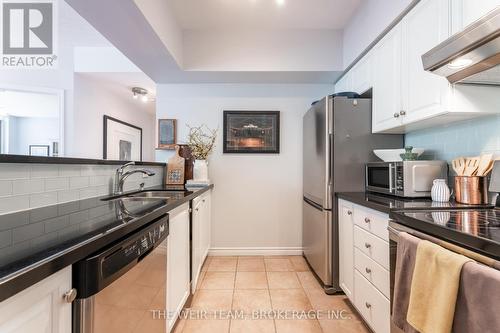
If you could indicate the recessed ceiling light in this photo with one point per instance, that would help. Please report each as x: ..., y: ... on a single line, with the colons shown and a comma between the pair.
x: 280, y: 2
x: 459, y: 63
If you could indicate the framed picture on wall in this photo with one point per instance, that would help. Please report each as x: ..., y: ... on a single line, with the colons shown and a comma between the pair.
x: 122, y: 141
x: 167, y: 133
x: 39, y: 150
x: 251, y: 132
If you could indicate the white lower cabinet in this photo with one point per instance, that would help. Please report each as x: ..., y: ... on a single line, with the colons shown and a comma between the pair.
x: 178, y: 278
x: 40, y: 308
x: 346, y: 248
x: 372, y: 304
x: 201, y: 235
x: 364, y: 262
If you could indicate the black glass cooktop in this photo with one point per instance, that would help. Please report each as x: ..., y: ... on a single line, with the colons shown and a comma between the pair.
x: 477, y: 228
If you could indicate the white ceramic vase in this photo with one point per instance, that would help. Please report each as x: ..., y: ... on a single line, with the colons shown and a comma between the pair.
x: 440, y: 191
x: 200, y: 170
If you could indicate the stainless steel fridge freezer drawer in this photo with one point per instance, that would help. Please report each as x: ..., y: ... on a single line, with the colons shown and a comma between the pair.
x: 317, y: 240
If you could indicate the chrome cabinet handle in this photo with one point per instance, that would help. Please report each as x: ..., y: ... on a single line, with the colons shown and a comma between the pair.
x: 396, y: 115
x: 70, y: 295
x: 368, y: 305
x: 402, y: 112
x: 368, y: 245
x: 367, y: 220
x: 349, y: 212
x: 367, y: 270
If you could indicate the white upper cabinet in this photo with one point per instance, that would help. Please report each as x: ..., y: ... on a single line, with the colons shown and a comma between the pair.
x: 344, y: 84
x: 424, y: 93
x: 464, y: 12
x: 362, y: 74
x: 405, y: 97
x: 387, y: 81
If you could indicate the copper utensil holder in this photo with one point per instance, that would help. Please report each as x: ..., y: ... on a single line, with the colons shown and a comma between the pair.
x: 471, y: 190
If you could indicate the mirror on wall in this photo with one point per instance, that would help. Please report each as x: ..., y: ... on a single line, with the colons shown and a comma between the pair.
x: 31, y: 121
x: 60, y: 111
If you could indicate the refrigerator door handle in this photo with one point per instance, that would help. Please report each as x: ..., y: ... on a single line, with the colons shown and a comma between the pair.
x: 313, y: 204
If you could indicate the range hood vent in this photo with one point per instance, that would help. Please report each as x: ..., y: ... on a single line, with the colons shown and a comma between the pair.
x: 471, y: 56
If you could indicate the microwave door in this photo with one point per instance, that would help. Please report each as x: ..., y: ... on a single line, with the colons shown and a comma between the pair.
x: 380, y: 178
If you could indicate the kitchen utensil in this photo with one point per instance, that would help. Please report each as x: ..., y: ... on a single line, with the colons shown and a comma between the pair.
x: 471, y: 165
x: 471, y: 190
x: 393, y: 155
x: 488, y: 170
x: 459, y: 166
x: 484, y: 164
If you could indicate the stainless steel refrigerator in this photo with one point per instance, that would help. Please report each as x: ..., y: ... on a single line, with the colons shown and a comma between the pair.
x: 337, y: 142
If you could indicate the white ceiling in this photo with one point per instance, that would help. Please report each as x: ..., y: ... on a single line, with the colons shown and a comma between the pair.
x: 263, y: 14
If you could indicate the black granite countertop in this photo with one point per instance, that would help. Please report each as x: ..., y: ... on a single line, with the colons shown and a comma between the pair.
x: 38, y: 242
x: 386, y: 203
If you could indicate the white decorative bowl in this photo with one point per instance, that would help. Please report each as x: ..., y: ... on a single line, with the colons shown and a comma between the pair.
x: 392, y: 155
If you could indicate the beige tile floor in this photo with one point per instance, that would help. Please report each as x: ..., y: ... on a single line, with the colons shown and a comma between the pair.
x: 249, y: 284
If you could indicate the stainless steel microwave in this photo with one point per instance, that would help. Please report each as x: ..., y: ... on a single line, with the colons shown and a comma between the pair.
x: 411, y: 179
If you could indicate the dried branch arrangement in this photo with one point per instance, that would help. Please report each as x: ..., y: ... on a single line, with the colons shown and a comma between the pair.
x: 201, y: 140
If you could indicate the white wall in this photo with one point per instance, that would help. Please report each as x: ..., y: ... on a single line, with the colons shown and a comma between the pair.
x: 95, y: 98
x: 28, y: 131
x: 250, y: 50
x: 371, y: 18
x: 257, y: 199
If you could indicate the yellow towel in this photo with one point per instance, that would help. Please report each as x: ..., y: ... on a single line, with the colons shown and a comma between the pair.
x: 434, y: 288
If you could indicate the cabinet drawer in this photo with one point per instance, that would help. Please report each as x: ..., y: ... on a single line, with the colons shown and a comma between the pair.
x: 372, y: 305
x: 372, y: 221
x: 373, y: 272
x: 374, y: 247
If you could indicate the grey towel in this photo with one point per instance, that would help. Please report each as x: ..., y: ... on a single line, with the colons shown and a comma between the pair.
x: 478, y: 299
x: 405, y: 263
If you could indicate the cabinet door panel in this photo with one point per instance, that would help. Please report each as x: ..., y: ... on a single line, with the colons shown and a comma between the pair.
x: 40, y: 308
x: 424, y: 93
x: 346, y: 249
x: 178, y: 262
x: 387, y: 82
x: 361, y: 78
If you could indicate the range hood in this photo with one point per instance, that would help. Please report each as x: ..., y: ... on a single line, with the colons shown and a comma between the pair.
x: 471, y: 56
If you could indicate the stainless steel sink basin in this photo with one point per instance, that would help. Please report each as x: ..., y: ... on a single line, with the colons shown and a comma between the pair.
x: 152, y: 195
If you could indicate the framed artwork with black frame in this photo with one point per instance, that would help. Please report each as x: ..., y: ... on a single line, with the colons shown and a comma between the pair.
x: 122, y: 141
x: 247, y: 132
x: 39, y: 150
x: 167, y: 133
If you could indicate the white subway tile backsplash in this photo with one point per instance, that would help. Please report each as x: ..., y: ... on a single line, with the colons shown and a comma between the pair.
x: 68, y: 195
x: 56, y: 224
x: 14, y: 203
x: 5, y: 187
x: 69, y: 170
x: 44, y: 170
x: 43, y: 199
x: 24, y: 186
x: 78, y: 182
x: 14, y: 171
x: 27, y: 186
x: 55, y: 184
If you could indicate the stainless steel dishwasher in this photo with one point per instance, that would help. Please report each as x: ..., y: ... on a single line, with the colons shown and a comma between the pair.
x: 122, y: 288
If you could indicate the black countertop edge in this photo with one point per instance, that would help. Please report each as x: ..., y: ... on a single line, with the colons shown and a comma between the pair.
x: 474, y: 243
x: 379, y: 202
x: 6, y: 158
x: 359, y: 198
x: 24, y: 280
